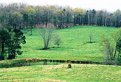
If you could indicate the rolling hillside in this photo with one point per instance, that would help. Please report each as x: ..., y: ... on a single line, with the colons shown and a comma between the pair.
x: 74, y: 44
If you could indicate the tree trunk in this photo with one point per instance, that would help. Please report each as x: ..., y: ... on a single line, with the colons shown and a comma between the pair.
x: 2, y: 52
x: 45, y: 46
x: 31, y: 30
x: 12, y: 54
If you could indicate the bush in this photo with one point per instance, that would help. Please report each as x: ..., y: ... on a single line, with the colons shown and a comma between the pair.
x: 91, y: 38
x: 69, y: 65
x: 57, y: 41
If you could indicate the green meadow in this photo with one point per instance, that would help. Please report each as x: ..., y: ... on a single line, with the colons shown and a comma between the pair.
x: 60, y: 73
x: 74, y: 44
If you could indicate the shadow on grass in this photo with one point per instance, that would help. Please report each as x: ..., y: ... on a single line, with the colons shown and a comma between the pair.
x: 89, y: 42
x: 54, y: 48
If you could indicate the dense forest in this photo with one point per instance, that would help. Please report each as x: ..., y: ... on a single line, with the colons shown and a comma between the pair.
x: 22, y: 15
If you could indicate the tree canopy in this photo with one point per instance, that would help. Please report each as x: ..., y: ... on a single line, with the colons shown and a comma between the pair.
x: 29, y: 16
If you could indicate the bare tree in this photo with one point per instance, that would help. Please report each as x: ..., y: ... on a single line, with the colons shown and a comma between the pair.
x: 112, y: 48
x: 109, y: 51
x: 46, y: 33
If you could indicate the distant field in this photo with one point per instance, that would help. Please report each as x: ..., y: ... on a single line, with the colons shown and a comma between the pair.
x: 74, y: 44
x: 60, y: 73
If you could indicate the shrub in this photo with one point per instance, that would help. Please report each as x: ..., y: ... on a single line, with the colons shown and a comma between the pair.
x: 57, y: 41
x: 69, y: 65
x: 91, y: 38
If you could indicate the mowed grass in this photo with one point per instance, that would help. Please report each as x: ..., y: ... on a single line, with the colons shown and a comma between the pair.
x: 60, y: 73
x: 74, y: 44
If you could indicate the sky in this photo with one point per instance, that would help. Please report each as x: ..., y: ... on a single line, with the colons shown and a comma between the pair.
x: 109, y: 5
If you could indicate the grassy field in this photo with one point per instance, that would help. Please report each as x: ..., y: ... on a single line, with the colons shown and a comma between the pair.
x: 74, y: 44
x: 60, y: 73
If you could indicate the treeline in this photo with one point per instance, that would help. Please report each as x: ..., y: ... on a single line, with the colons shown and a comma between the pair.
x: 22, y: 15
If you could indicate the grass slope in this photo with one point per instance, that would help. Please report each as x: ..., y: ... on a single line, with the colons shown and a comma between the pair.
x: 74, y: 44
x: 60, y: 73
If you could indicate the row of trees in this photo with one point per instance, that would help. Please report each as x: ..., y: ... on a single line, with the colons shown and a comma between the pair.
x: 23, y: 15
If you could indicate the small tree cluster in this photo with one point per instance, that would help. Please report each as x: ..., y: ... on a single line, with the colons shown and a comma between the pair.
x: 14, y: 47
x: 112, y: 48
x: 10, y: 43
